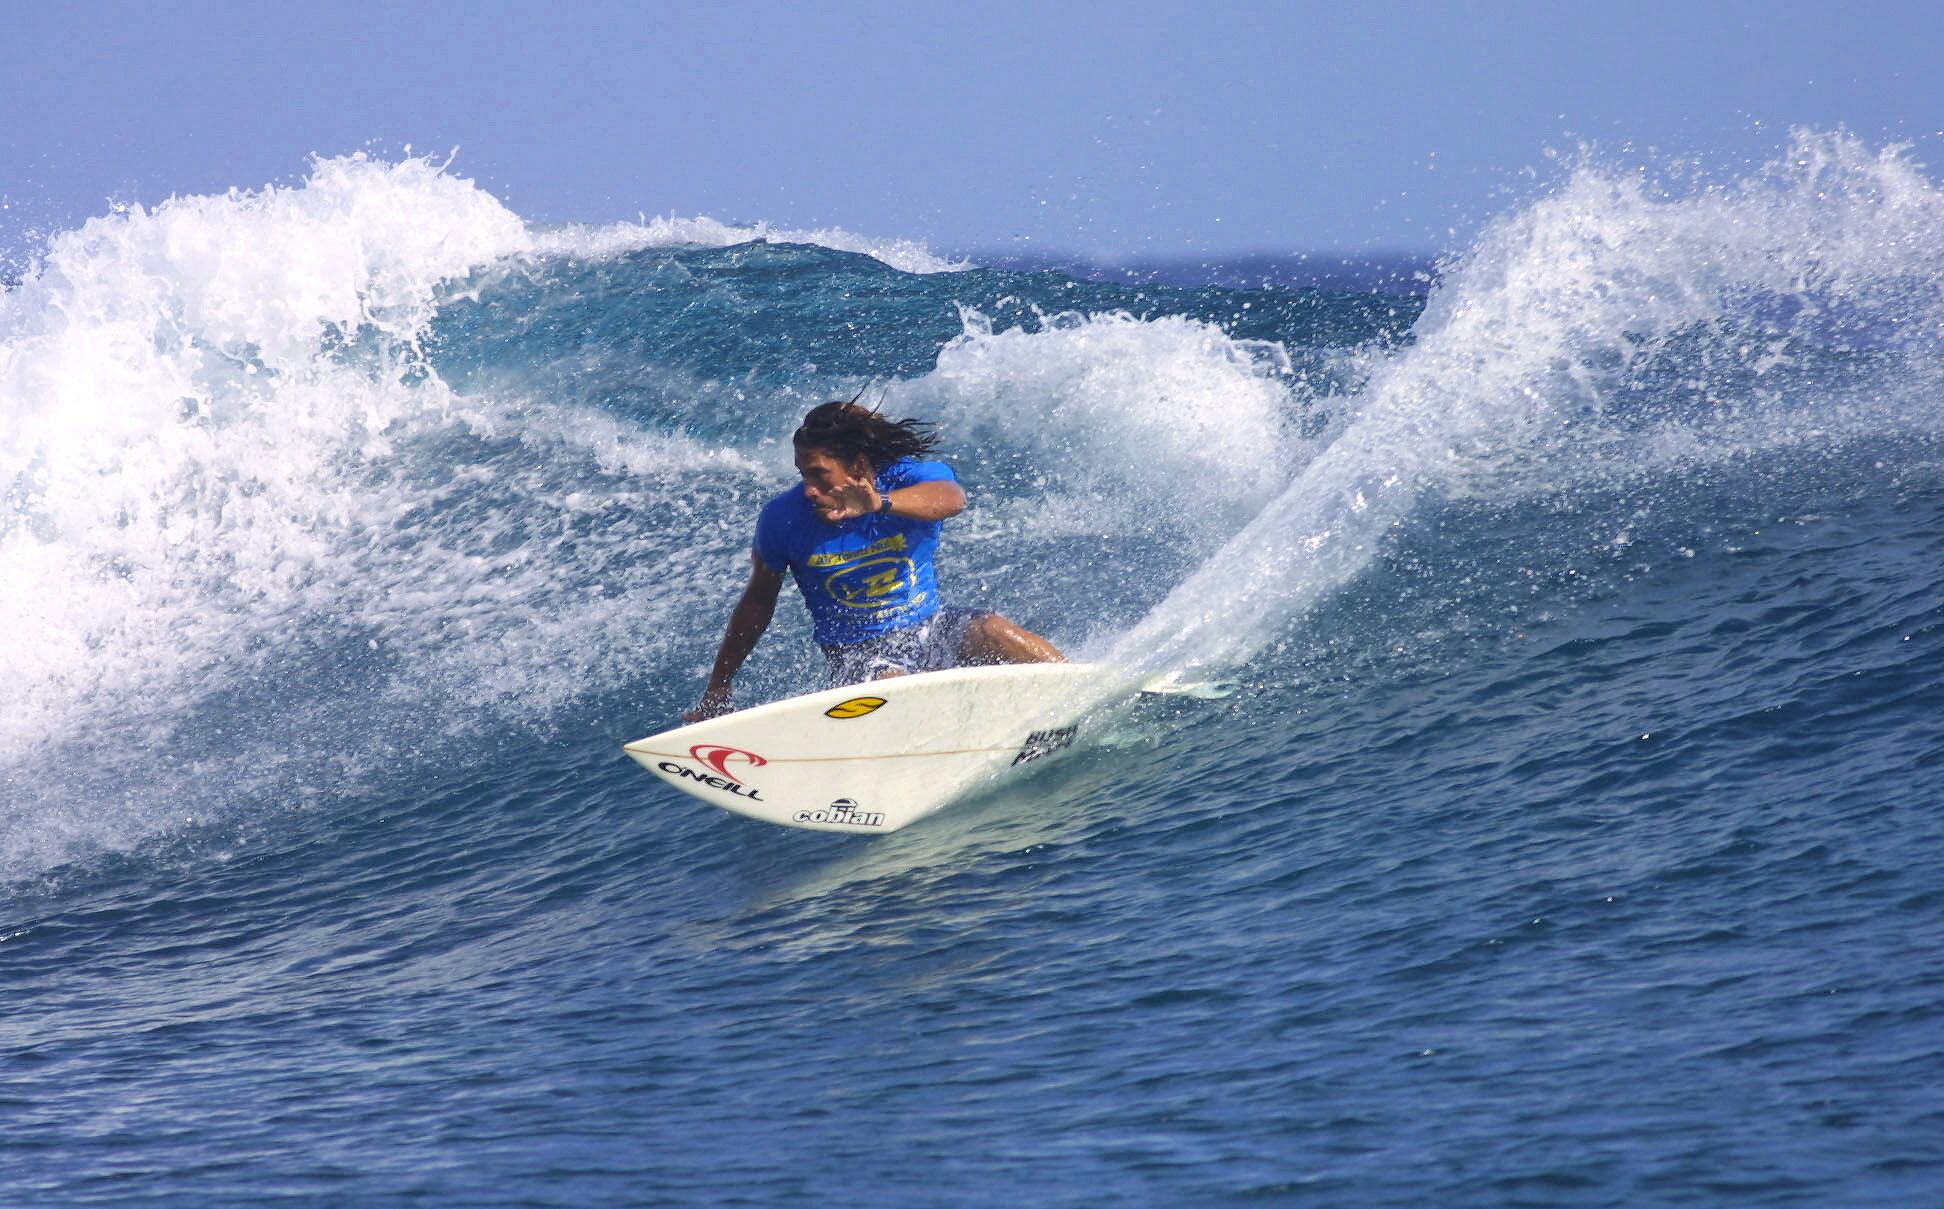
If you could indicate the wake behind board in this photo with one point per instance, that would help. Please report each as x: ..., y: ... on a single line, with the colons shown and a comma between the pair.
x: 874, y: 757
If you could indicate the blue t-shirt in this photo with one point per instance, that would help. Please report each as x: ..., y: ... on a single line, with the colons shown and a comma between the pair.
x: 866, y: 576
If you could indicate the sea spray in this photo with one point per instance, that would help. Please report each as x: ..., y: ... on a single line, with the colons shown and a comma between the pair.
x: 1536, y: 333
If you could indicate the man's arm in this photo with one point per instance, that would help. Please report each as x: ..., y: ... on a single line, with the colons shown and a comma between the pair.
x: 930, y: 501
x: 927, y: 501
x: 747, y: 621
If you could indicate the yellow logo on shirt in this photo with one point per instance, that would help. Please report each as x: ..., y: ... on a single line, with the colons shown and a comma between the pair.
x: 837, y: 558
x: 866, y: 585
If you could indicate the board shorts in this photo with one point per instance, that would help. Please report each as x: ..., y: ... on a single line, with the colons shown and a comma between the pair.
x: 930, y: 646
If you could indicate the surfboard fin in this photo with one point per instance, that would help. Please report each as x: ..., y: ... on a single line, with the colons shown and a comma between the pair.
x: 1173, y: 684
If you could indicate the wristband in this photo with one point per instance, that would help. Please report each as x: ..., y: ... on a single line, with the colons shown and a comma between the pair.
x: 884, y: 503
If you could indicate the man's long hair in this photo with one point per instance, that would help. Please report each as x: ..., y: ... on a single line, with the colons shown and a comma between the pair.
x: 844, y: 429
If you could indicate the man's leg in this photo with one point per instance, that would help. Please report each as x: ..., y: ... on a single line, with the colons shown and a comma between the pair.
x: 993, y: 639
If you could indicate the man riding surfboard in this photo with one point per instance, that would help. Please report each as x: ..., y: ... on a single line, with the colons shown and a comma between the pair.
x: 858, y: 534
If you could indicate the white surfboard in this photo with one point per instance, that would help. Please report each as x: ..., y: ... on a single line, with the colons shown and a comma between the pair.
x: 874, y: 757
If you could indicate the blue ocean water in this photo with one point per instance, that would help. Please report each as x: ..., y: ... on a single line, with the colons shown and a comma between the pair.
x: 1565, y: 835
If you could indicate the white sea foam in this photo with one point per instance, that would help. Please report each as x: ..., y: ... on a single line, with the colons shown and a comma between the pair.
x: 243, y: 521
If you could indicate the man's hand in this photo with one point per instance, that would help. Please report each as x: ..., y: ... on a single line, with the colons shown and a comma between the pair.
x: 850, y: 501
x: 715, y: 703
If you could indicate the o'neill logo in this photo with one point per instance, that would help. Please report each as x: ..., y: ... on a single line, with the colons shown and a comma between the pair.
x: 712, y: 755
x: 720, y: 758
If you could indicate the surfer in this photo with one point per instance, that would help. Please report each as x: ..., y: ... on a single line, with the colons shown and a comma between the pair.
x: 858, y: 534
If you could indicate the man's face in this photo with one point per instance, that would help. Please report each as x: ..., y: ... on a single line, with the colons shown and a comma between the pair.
x: 825, y: 476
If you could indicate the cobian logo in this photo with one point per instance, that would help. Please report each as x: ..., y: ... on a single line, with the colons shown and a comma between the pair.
x: 844, y: 812
x: 720, y: 758
x: 856, y: 707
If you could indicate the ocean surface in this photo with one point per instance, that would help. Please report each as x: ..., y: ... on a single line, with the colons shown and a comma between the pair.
x: 1560, y: 823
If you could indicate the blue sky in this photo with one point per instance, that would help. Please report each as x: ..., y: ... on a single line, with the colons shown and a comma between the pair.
x: 1154, y: 129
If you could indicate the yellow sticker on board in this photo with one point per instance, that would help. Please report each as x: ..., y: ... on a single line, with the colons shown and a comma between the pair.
x: 856, y: 707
